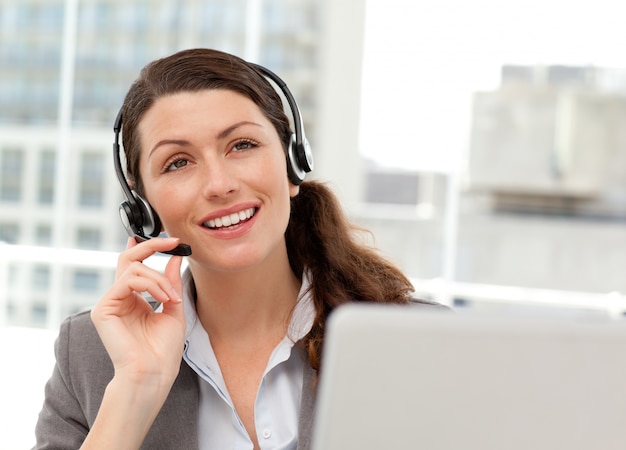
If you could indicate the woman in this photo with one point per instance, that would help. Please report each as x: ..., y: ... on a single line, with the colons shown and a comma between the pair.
x: 230, y: 359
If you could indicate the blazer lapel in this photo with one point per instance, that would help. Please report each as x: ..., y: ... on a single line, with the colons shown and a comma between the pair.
x: 176, y: 425
x: 307, y: 409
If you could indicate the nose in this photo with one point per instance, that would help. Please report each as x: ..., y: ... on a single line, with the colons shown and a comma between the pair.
x: 218, y: 179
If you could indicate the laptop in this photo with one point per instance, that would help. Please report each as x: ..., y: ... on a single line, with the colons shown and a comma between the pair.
x: 396, y: 377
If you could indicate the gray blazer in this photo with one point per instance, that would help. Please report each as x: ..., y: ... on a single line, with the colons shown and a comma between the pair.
x: 82, y: 371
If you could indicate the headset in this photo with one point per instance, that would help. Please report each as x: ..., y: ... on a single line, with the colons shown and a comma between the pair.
x: 142, y: 222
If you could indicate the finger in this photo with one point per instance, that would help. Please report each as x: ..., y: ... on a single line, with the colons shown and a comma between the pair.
x: 145, y: 249
x: 121, y: 264
x: 138, y: 277
x: 130, y: 242
x: 158, y: 288
x: 172, y: 273
x: 138, y: 252
x: 170, y: 281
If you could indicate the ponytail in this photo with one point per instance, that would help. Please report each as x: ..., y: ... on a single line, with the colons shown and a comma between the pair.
x: 322, y: 241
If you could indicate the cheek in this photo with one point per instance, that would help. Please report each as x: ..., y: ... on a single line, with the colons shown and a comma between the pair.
x: 169, y: 204
x: 277, y: 167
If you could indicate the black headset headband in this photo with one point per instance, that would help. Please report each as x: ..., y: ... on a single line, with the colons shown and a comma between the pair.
x: 293, y: 106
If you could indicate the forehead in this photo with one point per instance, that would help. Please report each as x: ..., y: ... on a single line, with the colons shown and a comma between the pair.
x: 218, y: 101
x: 209, y: 108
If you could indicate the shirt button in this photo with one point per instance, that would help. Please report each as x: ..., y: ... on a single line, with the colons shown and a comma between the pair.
x: 267, y: 433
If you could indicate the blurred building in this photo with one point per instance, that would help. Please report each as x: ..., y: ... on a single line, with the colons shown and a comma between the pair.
x: 545, y: 199
x: 113, y: 40
x: 542, y: 202
x: 551, y: 140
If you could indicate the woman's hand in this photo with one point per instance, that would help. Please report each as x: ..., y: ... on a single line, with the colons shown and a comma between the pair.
x: 144, y: 345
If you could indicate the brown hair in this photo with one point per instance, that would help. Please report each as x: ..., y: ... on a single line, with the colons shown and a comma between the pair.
x: 319, y: 238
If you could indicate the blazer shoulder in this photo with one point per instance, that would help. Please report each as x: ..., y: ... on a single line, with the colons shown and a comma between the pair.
x: 78, y: 333
x: 79, y: 342
x: 79, y: 323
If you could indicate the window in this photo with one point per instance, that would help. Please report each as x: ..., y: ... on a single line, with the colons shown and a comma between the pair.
x: 91, y: 180
x: 43, y: 235
x: 89, y: 238
x: 86, y: 280
x: 51, y: 16
x: 47, y: 164
x: 25, y: 14
x: 38, y: 313
x: 9, y: 233
x: 41, y: 277
x: 11, y: 170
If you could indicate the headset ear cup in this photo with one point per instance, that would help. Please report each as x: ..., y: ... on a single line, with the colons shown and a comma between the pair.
x: 127, y: 218
x: 151, y: 224
x: 305, y: 156
x: 294, y: 171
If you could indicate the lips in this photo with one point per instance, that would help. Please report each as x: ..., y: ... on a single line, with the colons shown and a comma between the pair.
x: 230, y: 220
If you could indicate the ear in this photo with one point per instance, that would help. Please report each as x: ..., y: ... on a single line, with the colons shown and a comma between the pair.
x: 293, y: 190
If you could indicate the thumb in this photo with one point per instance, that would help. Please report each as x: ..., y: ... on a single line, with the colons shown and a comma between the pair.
x: 172, y: 273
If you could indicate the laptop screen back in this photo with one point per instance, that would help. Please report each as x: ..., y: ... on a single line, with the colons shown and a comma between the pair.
x: 395, y: 377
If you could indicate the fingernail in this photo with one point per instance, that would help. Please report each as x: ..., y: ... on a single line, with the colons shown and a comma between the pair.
x: 175, y: 297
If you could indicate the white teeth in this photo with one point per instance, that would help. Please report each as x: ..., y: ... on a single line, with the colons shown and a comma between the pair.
x: 231, y: 219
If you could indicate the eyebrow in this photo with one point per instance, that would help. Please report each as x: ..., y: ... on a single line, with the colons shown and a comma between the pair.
x: 224, y: 133
x: 221, y: 135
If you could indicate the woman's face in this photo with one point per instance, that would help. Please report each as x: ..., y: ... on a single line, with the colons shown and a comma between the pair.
x: 214, y: 169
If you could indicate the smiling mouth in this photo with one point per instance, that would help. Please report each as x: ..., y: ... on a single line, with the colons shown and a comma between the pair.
x: 230, y: 220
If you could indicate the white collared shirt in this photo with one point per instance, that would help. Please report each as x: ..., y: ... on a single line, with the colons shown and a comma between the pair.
x: 277, y: 405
